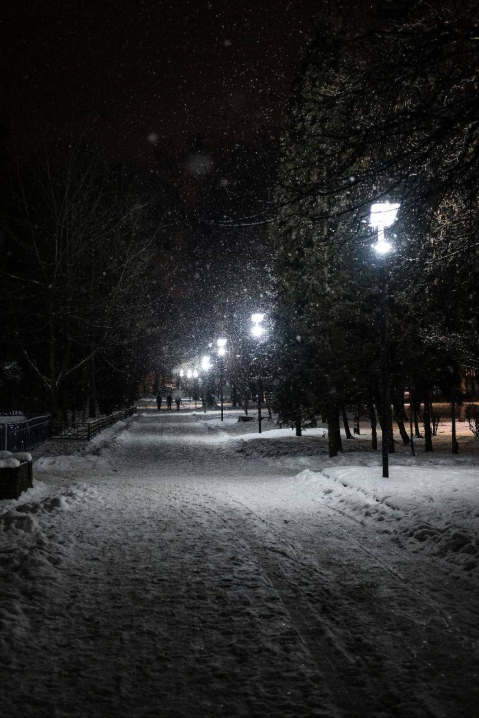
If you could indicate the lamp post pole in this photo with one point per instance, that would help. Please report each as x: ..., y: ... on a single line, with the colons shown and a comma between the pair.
x: 205, y: 366
x: 383, y: 214
x: 221, y: 353
x: 385, y: 401
x: 260, y: 392
x: 222, y: 368
x: 257, y: 331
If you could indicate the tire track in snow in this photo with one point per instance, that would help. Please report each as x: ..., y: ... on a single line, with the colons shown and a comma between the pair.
x: 351, y: 688
x: 318, y: 629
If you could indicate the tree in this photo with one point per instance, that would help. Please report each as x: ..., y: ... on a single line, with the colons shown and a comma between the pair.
x: 382, y: 106
x: 75, y: 260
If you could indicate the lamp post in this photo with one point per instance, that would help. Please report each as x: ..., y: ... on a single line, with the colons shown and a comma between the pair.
x: 205, y: 366
x: 195, y: 384
x: 383, y: 214
x: 257, y: 330
x: 221, y: 343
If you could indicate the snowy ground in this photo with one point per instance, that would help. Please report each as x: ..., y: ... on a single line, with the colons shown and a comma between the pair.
x: 178, y: 567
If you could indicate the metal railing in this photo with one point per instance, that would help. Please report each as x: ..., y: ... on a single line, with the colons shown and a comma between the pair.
x: 25, y: 435
x: 86, y: 430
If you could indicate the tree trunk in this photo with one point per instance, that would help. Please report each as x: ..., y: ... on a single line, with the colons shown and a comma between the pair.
x: 54, y: 407
x: 374, y: 424
x: 297, y: 425
x: 399, y: 414
x: 357, y: 415
x: 347, y: 430
x: 411, y: 422
x: 390, y: 436
x: 427, y: 421
x: 334, y: 432
x: 455, y: 445
x: 416, y: 408
x: 391, y: 446
x: 92, y: 393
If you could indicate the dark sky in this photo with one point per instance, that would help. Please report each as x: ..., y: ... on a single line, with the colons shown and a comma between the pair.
x: 145, y: 71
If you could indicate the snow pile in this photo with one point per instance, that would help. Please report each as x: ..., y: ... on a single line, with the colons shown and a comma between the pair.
x: 22, y: 456
x: 12, y: 419
x: 67, y: 462
x: 32, y: 554
x: 10, y: 463
x: 27, y: 516
x: 434, y: 506
x: 8, y: 460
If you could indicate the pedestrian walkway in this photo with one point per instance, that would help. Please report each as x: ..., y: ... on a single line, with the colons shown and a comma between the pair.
x: 167, y: 575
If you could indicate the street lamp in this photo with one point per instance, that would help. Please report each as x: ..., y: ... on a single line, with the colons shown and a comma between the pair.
x: 205, y: 366
x: 257, y: 330
x: 383, y: 214
x: 221, y: 343
x: 194, y: 392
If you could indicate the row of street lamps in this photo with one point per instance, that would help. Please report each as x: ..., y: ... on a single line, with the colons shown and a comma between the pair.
x: 382, y: 216
x: 257, y: 331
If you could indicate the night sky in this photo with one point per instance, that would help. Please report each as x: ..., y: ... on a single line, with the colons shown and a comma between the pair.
x: 146, y: 73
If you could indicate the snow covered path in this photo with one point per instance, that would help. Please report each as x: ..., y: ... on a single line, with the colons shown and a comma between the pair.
x: 170, y: 574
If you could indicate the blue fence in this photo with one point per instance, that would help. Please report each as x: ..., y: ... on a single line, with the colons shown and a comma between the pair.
x: 25, y: 435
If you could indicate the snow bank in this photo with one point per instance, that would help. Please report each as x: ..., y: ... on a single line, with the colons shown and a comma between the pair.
x: 13, y: 419
x: 435, y: 506
x: 32, y: 554
x: 10, y: 463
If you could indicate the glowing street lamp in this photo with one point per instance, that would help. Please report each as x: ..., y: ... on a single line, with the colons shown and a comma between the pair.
x: 205, y: 366
x: 221, y: 351
x: 221, y: 343
x: 257, y: 330
x: 383, y: 215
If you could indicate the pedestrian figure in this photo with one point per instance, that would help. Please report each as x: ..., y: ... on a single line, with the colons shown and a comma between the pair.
x: 178, y: 402
x: 158, y: 401
x: 169, y: 399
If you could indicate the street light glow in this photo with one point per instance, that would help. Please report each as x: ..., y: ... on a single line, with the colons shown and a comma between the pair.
x: 205, y: 363
x: 221, y: 347
x: 189, y: 373
x: 257, y: 330
x: 195, y: 374
x: 383, y: 214
x: 257, y: 318
x: 381, y: 246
